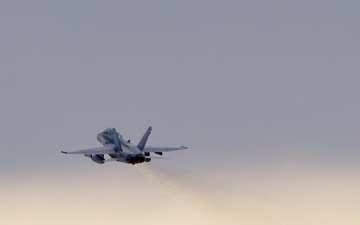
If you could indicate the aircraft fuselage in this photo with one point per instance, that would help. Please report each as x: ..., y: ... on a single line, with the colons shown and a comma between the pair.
x: 125, y: 151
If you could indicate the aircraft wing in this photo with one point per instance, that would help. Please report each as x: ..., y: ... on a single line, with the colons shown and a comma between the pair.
x: 107, y: 149
x: 162, y: 149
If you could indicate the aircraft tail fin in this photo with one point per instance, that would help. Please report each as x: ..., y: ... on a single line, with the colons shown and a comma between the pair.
x: 117, y: 142
x: 144, y: 139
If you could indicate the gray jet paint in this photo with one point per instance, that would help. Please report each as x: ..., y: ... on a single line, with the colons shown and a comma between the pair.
x: 121, y: 150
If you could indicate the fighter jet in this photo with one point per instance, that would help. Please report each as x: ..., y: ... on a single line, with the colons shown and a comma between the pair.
x: 121, y: 150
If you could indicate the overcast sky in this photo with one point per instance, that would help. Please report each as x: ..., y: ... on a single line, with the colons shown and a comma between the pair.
x: 264, y: 93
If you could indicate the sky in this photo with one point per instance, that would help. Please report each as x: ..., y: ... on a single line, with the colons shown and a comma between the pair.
x: 264, y: 93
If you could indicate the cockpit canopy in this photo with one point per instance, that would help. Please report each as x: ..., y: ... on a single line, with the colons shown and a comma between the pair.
x: 110, y: 130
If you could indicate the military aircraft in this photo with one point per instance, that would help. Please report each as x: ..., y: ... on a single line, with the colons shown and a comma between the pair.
x: 121, y: 150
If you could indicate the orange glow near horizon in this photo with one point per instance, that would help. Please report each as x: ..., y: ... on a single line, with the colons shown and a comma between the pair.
x: 166, y: 198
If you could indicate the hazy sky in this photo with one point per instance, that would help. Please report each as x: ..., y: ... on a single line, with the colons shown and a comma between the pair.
x: 264, y: 93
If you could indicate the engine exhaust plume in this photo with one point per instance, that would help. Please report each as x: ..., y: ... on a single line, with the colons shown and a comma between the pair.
x: 192, y: 189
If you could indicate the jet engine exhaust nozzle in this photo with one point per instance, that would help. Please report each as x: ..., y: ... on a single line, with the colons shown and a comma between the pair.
x: 131, y: 159
x: 140, y: 158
